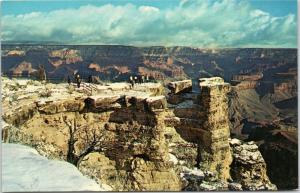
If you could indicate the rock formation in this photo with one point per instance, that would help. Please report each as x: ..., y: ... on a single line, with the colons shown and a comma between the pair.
x: 15, y: 53
x: 129, y: 139
x: 23, y: 68
x: 65, y: 56
x: 178, y: 89
x: 205, y: 123
x: 124, y: 132
x: 278, y: 144
x: 248, y: 167
x: 180, y: 86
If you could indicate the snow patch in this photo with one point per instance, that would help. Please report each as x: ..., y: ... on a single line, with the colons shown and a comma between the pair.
x: 23, y: 169
x: 173, y: 159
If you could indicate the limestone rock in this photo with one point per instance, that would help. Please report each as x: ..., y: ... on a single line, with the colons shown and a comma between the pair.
x: 180, y: 86
x: 102, y: 102
x: 248, y: 167
x: 197, y: 180
x: 205, y: 122
x: 19, y: 114
x: 158, y: 102
x: 64, y: 105
x: 235, y: 186
x: 134, y: 152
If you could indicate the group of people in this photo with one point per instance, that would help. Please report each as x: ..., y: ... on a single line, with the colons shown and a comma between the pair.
x: 76, y: 78
x: 138, y: 79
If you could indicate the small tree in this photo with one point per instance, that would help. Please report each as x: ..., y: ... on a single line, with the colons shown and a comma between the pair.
x: 42, y: 72
x: 91, y: 140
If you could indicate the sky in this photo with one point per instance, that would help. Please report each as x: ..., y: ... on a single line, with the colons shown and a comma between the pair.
x: 195, y: 23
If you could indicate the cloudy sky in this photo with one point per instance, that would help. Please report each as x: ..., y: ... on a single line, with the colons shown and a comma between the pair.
x: 196, y: 23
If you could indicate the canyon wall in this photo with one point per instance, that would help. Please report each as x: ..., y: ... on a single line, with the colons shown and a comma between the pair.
x: 120, y: 136
x: 123, y: 134
x: 206, y: 123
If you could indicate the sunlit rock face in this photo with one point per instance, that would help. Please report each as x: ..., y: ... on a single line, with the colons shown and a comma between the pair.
x: 206, y: 123
x: 122, y: 133
x: 180, y: 86
x: 130, y: 137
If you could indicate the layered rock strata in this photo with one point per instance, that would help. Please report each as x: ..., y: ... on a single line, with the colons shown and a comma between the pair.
x: 205, y: 122
x: 178, y: 90
x: 180, y: 86
x: 122, y: 133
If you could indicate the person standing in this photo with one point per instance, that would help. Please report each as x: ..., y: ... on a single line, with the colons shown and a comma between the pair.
x: 131, y: 81
x: 69, y: 80
x: 78, y: 80
x: 135, y: 79
x: 90, y: 79
x: 143, y: 79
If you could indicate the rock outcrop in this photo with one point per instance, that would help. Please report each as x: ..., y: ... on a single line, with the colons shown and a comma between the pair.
x: 178, y: 90
x: 65, y: 56
x: 23, y: 67
x: 180, y: 86
x: 280, y: 145
x: 15, y: 53
x: 123, y: 133
x: 126, y: 137
x: 198, y: 180
x: 248, y: 167
x: 205, y: 122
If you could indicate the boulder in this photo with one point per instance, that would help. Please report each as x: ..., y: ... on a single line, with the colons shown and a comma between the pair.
x: 180, y: 86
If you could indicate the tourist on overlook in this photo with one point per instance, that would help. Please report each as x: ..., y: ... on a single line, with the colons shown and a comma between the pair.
x: 131, y: 81
x: 69, y: 80
x: 78, y: 80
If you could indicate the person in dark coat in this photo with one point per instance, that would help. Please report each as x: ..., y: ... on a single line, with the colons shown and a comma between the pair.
x: 131, y: 81
x: 136, y: 79
x: 90, y: 79
x: 78, y: 81
x: 69, y: 80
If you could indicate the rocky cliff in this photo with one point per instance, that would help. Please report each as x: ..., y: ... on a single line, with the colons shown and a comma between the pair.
x: 271, y: 73
x: 205, y: 123
x: 125, y: 133
x: 203, y: 120
x: 248, y: 167
x: 130, y: 138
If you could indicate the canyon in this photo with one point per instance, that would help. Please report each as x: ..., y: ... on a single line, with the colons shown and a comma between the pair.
x: 262, y: 103
x: 131, y: 138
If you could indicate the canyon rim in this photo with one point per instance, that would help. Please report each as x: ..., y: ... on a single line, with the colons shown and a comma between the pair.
x: 131, y: 95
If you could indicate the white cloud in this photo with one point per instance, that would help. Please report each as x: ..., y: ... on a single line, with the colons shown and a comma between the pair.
x: 148, y: 9
x: 222, y: 23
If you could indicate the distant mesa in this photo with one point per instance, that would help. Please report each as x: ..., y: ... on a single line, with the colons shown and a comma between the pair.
x: 24, y: 68
x: 15, y: 53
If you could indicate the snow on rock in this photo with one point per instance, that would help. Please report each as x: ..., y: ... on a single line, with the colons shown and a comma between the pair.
x: 173, y: 158
x: 23, y: 169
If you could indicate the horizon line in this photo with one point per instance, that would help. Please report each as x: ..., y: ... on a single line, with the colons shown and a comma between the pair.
x: 84, y: 44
